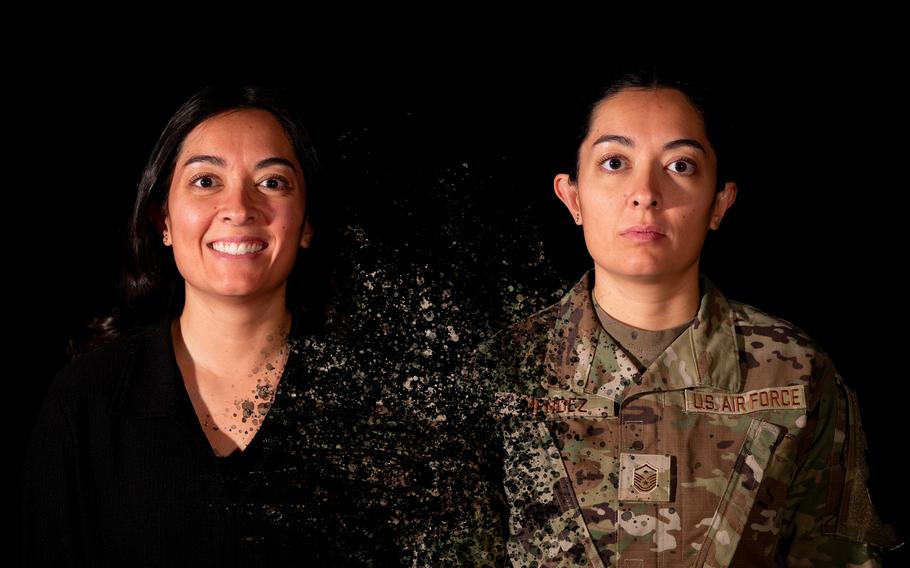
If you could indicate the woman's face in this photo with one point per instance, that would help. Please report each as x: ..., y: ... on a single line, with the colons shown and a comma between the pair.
x: 645, y: 192
x: 236, y: 206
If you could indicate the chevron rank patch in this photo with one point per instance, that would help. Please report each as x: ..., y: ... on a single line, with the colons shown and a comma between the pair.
x: 644, y: 477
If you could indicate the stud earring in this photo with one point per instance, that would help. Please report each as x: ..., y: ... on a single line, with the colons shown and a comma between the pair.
x: 166, y: 238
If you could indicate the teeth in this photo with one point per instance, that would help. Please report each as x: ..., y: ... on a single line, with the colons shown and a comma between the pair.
x: 247, y: 247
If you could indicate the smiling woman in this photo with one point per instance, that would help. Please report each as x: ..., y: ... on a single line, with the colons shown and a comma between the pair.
x: 189, y: 436
x: 235, y: 216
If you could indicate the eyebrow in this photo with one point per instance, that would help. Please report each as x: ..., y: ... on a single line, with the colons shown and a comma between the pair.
x: 216, y: 161
x: 685, y: 142
x: 614, y: 138
x: 275, y: 162
x: 625, y: 141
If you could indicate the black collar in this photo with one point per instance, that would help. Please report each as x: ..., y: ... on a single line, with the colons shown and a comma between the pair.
x: 151, y: 378
x: 151, y: 384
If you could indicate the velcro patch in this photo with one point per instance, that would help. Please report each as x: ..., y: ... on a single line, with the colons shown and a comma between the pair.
x: 560, y: 404
x: 572, y: 407
x: 773, y: 398
x: 645, y: 477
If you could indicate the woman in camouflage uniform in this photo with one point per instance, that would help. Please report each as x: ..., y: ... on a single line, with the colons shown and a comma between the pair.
x: 647, y: 420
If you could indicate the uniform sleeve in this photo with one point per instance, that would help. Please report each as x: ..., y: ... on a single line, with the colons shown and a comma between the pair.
x: 51, y: 530
x: 833, y: 520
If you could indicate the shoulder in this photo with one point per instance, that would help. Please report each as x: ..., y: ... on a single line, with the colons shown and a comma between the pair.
x: 516, y: 355
x: 537, y: 331
x: 535, y: 328
x: 775, y: 352
x: 98, y: 373
x: 118, y: 353
x: 753, y: 321
x: 765, y: 334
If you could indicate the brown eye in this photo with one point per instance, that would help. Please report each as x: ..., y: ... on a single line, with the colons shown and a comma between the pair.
x: 204, y: 182
x: 274, y: 184
x: 612, y: 164
x: 682, y: 167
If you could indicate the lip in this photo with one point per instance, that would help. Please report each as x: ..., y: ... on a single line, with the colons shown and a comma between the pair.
x: 237, y: 240
x: 643, y: 233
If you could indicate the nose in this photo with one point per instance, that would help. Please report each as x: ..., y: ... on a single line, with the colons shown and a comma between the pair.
x: 645, y: 192
x: 239, y: 204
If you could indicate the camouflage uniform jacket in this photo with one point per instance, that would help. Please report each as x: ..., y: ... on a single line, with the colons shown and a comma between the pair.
x: 739, y: 446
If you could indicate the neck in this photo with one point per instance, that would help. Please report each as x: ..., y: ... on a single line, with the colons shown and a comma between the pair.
x: 649, y: 303
x: 223, y: 337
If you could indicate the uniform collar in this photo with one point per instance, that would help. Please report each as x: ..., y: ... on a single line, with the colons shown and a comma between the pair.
x: 705, y: 354
x: 575, y: 339
x: 713, y: 343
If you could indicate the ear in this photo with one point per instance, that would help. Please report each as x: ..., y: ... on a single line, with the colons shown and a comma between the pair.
x: 567, y: 192
x: 722, y: 202
x: 307, y: 235
x: 162, y: 223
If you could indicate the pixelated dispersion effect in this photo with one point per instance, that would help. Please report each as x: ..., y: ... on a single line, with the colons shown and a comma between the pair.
x: 393, y: 418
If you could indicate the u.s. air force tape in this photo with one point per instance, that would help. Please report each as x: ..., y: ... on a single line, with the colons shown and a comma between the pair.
x: 772, y: 398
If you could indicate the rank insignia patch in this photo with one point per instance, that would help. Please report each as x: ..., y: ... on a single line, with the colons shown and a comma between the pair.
x: 645, y: 477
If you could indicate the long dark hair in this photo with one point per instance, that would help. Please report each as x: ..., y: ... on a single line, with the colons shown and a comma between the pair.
x: 151, y: 286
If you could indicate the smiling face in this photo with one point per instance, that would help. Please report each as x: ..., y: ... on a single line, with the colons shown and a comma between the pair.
x: 236, y: 206
x: 645, y: 192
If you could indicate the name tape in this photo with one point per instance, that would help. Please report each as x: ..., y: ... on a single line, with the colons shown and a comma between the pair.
x: 773, y: 398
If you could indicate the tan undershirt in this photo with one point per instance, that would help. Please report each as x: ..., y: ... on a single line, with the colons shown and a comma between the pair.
x: 642, y: 345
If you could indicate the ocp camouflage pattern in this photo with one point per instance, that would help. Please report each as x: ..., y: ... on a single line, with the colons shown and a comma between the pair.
x: 739, y: 446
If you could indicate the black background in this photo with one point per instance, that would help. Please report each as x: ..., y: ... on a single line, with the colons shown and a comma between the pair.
x: 815, y: 236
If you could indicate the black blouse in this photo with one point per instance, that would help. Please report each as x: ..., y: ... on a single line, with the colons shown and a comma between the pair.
x: 119, y: 471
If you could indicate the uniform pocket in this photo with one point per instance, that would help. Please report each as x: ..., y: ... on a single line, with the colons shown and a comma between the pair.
x: 732, y: 513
